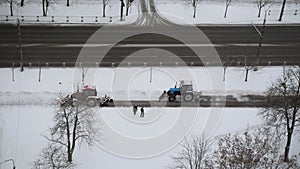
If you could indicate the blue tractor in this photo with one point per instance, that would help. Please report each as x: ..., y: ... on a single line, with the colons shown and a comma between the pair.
x: 185, y: 90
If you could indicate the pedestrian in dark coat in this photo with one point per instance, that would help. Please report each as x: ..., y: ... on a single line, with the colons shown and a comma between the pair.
x: 134, y: 109
x: 142, y: 112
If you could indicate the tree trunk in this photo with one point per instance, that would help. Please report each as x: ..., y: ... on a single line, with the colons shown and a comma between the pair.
x: 128, y: 4
x: 43, y: 6
x: 103, y: 9
x: 194, y: 11
x: 259, y: 7
x: 68, y: 2
x: 70, y: 159
x: 246, y: 77
x: 22, y: 2
x: 259, y: 11
x: 288, y: 144
x: 226, y: 8
x: 282, y: 10
x: 121, y: 12
x: 224, y: 73
x: 194, y: 5
x: 11, y: 7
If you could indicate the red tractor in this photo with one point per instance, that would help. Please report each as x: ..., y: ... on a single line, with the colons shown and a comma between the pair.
x: 88, y: 96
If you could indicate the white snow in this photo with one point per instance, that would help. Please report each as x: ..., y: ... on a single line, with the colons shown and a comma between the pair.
x: 23, y: 126
x: 212, y: 12
x: 23, y: 119
x: 89, y: 10
x: 128, y: 83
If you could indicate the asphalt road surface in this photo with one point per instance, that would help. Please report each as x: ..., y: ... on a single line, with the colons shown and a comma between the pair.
x: 236, y: 45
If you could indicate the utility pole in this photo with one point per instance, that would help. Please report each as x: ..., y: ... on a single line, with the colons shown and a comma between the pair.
x: 261, y: 36
x: 20, y: 45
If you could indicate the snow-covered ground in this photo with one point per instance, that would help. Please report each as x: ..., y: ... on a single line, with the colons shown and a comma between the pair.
x: 239, y: 12
x: 26, y: 112
x: 128, y: 83
x: 58, y: 9
x: 177, y: 11
x: 23, y: 126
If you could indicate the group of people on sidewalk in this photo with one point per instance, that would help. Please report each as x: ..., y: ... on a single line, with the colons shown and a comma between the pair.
x: 135, y: 109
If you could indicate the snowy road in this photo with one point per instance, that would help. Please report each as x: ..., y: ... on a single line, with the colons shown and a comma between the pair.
x: 53, y: 44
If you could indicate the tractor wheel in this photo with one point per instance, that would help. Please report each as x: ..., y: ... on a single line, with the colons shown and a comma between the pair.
x: 91, y: 102
x: 172, y: 98
x: 188, y: 97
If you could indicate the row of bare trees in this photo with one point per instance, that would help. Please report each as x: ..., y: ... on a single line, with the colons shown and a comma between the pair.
x: 265, y: 147
x: 46, y: 3
x: 260, y: 5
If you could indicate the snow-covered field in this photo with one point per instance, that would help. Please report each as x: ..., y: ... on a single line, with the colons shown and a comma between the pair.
x: 23, y: 119
x: 239, y: 12
x: 23, y: 126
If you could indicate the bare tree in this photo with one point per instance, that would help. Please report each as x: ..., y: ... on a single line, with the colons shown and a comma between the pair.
x: 72, y: 126
x: 45, y: 5
x: 261, y: 4
x: 227, y: 3
x: 194, y: 3
x: 121, y: 9
x: 11, y: 7
x: 284, y: 104
x: 53, y: 157
x: 128, y: 4
x: 248, y: 66
x: 68, y: 2
x: 104, y: 4
x: 252, y: 149
x: 226, y: 64
x: 194, y: 154
x: 22, y: 2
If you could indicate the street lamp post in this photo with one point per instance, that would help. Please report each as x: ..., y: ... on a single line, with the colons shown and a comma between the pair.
x: 261, y: 36
x: 20, y: 45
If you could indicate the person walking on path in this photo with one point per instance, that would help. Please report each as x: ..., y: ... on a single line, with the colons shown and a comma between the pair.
x: 134, y: 109
x: 142, y: 112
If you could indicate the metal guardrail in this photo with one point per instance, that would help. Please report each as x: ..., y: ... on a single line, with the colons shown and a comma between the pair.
x: 59, y: 19
x: 137, y: 64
